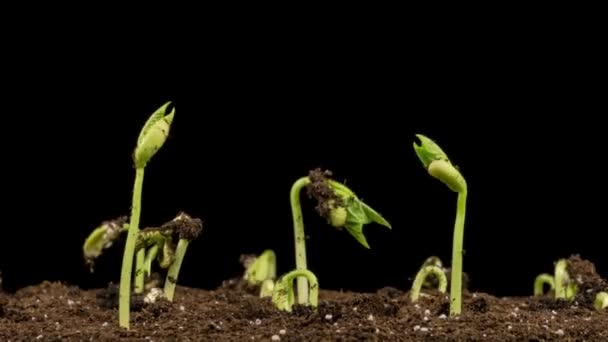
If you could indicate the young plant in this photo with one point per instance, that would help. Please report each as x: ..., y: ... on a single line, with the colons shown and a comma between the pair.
x: 430, y: 269
x: 339, y: 205
x: 151, y: 138
x: 262, y: 271
x: 437, y: 164
x: 283, y: 297
x: 601, y: 301
x: 102, y: 238
x: 540, y: 282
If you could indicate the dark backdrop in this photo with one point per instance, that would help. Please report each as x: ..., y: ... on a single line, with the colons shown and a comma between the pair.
x: 524, y: 128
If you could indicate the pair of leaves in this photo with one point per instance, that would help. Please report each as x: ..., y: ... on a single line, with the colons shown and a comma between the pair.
x: 358, y: 213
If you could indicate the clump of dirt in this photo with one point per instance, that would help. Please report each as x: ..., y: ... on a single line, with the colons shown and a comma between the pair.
x: 320, y: 190
x: 184, y: 226
x: 588, y: 281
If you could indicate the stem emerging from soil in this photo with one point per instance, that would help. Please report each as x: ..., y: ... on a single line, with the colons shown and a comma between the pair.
x: 601, y: 301
x: 127, y: 262
x: 282, y: 295
x: 456, y: 282
x: 173, y: 271
x: 299, y: 236
x: 540, y: 281
x: 421, y: 277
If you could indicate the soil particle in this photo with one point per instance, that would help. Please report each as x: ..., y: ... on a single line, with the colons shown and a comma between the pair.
x: 184, y: 226
x: 588, y: 281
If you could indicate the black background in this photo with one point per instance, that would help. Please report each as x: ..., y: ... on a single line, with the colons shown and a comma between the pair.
x: 522, y: 123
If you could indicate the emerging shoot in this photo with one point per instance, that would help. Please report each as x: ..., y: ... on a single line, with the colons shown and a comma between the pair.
x: 336, y: 203
x: 262, y: 271
x: 421, y: 277
x: 565, y: 288
x: 151, y: 138
x: 437, y: 164
x: 283, y: 297
x: 601, y: 301
x: 540, y: 282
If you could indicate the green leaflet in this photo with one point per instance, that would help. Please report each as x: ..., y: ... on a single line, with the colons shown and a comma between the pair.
x: 153, y: 136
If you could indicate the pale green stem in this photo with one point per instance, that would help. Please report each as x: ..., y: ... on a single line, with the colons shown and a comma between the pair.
x: 173, y: 271
x: 421, y: 277
x: 127, y: 261
x: 283, y: 296
x: 152, y: 254
x: 139, y: 271
x: 540, y: 281
x: 457, y: 251
x: 299, y: 237
x: 601, y: 301
x: 562, y: 279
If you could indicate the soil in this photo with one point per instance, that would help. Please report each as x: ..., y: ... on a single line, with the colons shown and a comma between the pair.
x: 61, y: 312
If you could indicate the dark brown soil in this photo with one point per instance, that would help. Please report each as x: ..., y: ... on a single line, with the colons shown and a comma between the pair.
x: 56, y: 312
x: 320, y: 190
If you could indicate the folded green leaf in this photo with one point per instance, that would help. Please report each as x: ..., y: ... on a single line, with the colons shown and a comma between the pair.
x: 428, y: 151
x: 153, y: 136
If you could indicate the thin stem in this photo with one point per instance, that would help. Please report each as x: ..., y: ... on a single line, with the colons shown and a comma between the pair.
x: 421, y: 277
x: 140, y: 258
x: 457, y: 251
x: 152, y: 254
x: 299, y: 237
x: 127, y: 261
x: 541, y: 281
x: 173, y: 271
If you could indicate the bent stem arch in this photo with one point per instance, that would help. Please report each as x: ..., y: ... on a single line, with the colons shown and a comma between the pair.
x: 282, y: 295
x: 540, y: 282
x: 299, y: 236
x: 421, y: 278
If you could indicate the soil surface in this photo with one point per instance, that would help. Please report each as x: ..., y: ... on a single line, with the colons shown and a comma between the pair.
x: 60, y: 312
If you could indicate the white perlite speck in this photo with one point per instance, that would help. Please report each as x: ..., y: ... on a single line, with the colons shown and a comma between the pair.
x: 105, y: 324
x: 39, y: 337
x: 424, y: 329
x: 275, y: 338
x: 554, y: 312
x: 328, y: 317
x: 258, y: 321
x: 370, y: 317
x: 377, y: 331
x: 443, y: 316
x: 153, y: 295
x: 70, y: 302
x: 182, y: 308
x: 427, y: 312
x: 560, y: 332
x: 425, y: 318
x: 417, y: 306
x: 510, y: 327
x: 282, y: 332
x: 416, y: 327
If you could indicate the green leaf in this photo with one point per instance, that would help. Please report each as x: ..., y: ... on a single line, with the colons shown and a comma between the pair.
x: 375, y: 216
x: 356, y: 230
x: 428, y: 151
x: 153, y: 136
x: 262, y: 268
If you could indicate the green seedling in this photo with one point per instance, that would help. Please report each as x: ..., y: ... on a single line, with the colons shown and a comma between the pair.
x: 432, y: 268
x: 541, y: 281
x: 339, y: 205
x: 560, y: 282
x: 437, y: 164
x: 102, y: 238
x: 283, y: 297
x: 187, y: 229
x: 151, y: 138
x: 565, y: 288
x: 601, y: 301
x: 262, y: 271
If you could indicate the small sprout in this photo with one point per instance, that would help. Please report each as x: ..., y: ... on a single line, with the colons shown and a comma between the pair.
x: 283, y: 297
x: 336, y: 203
x: 425, y: 272
x: 540, y: 282
x: 187, y: 229
x: 262, y: 271
x: 151, y: 138
x: 438, y: 165
x: 565, y: 288
x: 102, y: 238
x: 601, y: 301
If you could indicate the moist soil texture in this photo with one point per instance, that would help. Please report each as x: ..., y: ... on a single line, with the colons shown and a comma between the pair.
x: 53, y: 311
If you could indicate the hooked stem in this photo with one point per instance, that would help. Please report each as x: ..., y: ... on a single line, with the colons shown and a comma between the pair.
x: 299, y: 236
x: 421, y: 277
x: 540, y: 281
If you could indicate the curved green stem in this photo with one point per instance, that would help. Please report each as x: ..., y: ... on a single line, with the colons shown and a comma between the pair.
x: 150, y: 256
x: 173, y: 271
x: 421, y: 277
x: 299, y: 236
x: 540, y: 282
x: 457, y: 251
x: 127, y: 261
x: 283, y: 297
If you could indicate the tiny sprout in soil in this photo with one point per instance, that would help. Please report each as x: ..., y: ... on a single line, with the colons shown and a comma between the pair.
x: 430, y: 270
x: 439, y: 166
x: 601, y: 301
x: 336, y: 203
x: 261, y: 271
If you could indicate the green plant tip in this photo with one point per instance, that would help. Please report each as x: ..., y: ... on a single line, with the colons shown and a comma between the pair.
x: 601, y: 301
x: 438, y: 165
x: 102, y: 238
x: 153, y: 135
x: 428, y: 151
x: 261, y: 268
